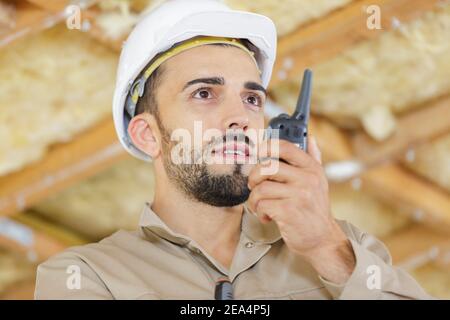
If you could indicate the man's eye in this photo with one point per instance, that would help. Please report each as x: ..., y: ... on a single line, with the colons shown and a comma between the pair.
x: 202, y: 94
x: 255, y: 100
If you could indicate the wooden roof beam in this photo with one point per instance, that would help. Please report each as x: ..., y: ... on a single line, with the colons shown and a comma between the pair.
x: 52, y: 6
x: 417, y: 245
x: 414, y: 128
x: 35, y: 238
x: 64, y: 165
x: 35, y: 15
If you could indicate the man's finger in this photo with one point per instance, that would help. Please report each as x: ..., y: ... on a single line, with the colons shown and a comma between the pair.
x: 268, y: 209
x: 268, y: 190
x: 313, y: 149
x: 287, y: 151
x: 285, y: 173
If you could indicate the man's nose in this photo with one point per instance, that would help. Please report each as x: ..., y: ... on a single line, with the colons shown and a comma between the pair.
x: 235, y: 116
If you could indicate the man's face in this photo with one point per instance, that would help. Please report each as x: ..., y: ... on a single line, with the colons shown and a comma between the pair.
x: 220, y: 89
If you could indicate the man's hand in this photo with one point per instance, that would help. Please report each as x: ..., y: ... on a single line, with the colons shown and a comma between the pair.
x: 296, y: 198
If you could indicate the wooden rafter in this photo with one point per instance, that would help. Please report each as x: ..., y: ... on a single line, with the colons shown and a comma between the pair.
x: 28, y: 17
x: 416, y: 245
x: 334, y: 145
x: 34, y: 237
x: 45, y: 240
x: 52, y: 6
x: 334, y: 33
x: 64, y: 236
x: 35, y: 15
x: 43, y: 246
x: 418, y: 197
x: 23, y: 290
x: 412, y: 129
x: 64, y: 165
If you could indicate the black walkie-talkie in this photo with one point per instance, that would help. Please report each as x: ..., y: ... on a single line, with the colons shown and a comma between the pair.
x: 295, y: 128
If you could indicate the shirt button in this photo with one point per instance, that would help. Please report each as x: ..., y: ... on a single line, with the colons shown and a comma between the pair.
x: 249, y: 244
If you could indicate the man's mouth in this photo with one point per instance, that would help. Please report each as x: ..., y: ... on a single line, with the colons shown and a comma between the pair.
x: 234, y: 150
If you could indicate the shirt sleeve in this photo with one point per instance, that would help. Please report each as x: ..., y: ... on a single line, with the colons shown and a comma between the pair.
x: 67, y: 276
x: 374, y: 276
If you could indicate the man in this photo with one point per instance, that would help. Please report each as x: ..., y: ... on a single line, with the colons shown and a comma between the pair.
x: 269, y: 233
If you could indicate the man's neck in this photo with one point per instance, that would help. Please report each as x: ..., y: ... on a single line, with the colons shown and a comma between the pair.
x: 215, y: 229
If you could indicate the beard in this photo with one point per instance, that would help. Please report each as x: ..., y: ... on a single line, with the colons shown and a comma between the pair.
x: 198, y: 183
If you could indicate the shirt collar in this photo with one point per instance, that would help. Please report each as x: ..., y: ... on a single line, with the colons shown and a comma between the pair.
x: 251, y: 226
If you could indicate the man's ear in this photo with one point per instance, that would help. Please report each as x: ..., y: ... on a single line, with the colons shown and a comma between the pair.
x: 142, y: 130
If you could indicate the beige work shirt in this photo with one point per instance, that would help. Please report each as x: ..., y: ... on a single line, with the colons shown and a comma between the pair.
x: 156, y: 263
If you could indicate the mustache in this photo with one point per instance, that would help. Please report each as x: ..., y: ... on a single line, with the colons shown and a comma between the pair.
x: 231, y: 136
x: 205, y: 151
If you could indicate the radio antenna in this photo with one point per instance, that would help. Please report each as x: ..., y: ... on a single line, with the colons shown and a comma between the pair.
x: 304, y: 101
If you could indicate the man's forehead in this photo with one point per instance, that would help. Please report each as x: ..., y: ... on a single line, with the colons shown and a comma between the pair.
x: 229, y: 63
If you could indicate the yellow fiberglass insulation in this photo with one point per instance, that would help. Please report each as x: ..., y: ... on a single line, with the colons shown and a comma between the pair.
x: 364, y: 211
x: 435, y: 280
x: 109, y: 201
x: 118, y: 16
x: 54, y: 84
x: 13, y: 269
x: 372, y: 81
x: 432, y: 160
x: 288, y: 14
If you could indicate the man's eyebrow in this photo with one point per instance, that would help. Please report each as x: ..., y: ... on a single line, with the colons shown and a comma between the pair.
x: 221, y: 81
x: 255, y: 86
x: 212, y: 80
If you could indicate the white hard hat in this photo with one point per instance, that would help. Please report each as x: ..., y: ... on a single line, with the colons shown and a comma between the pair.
x: 175, y: 21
